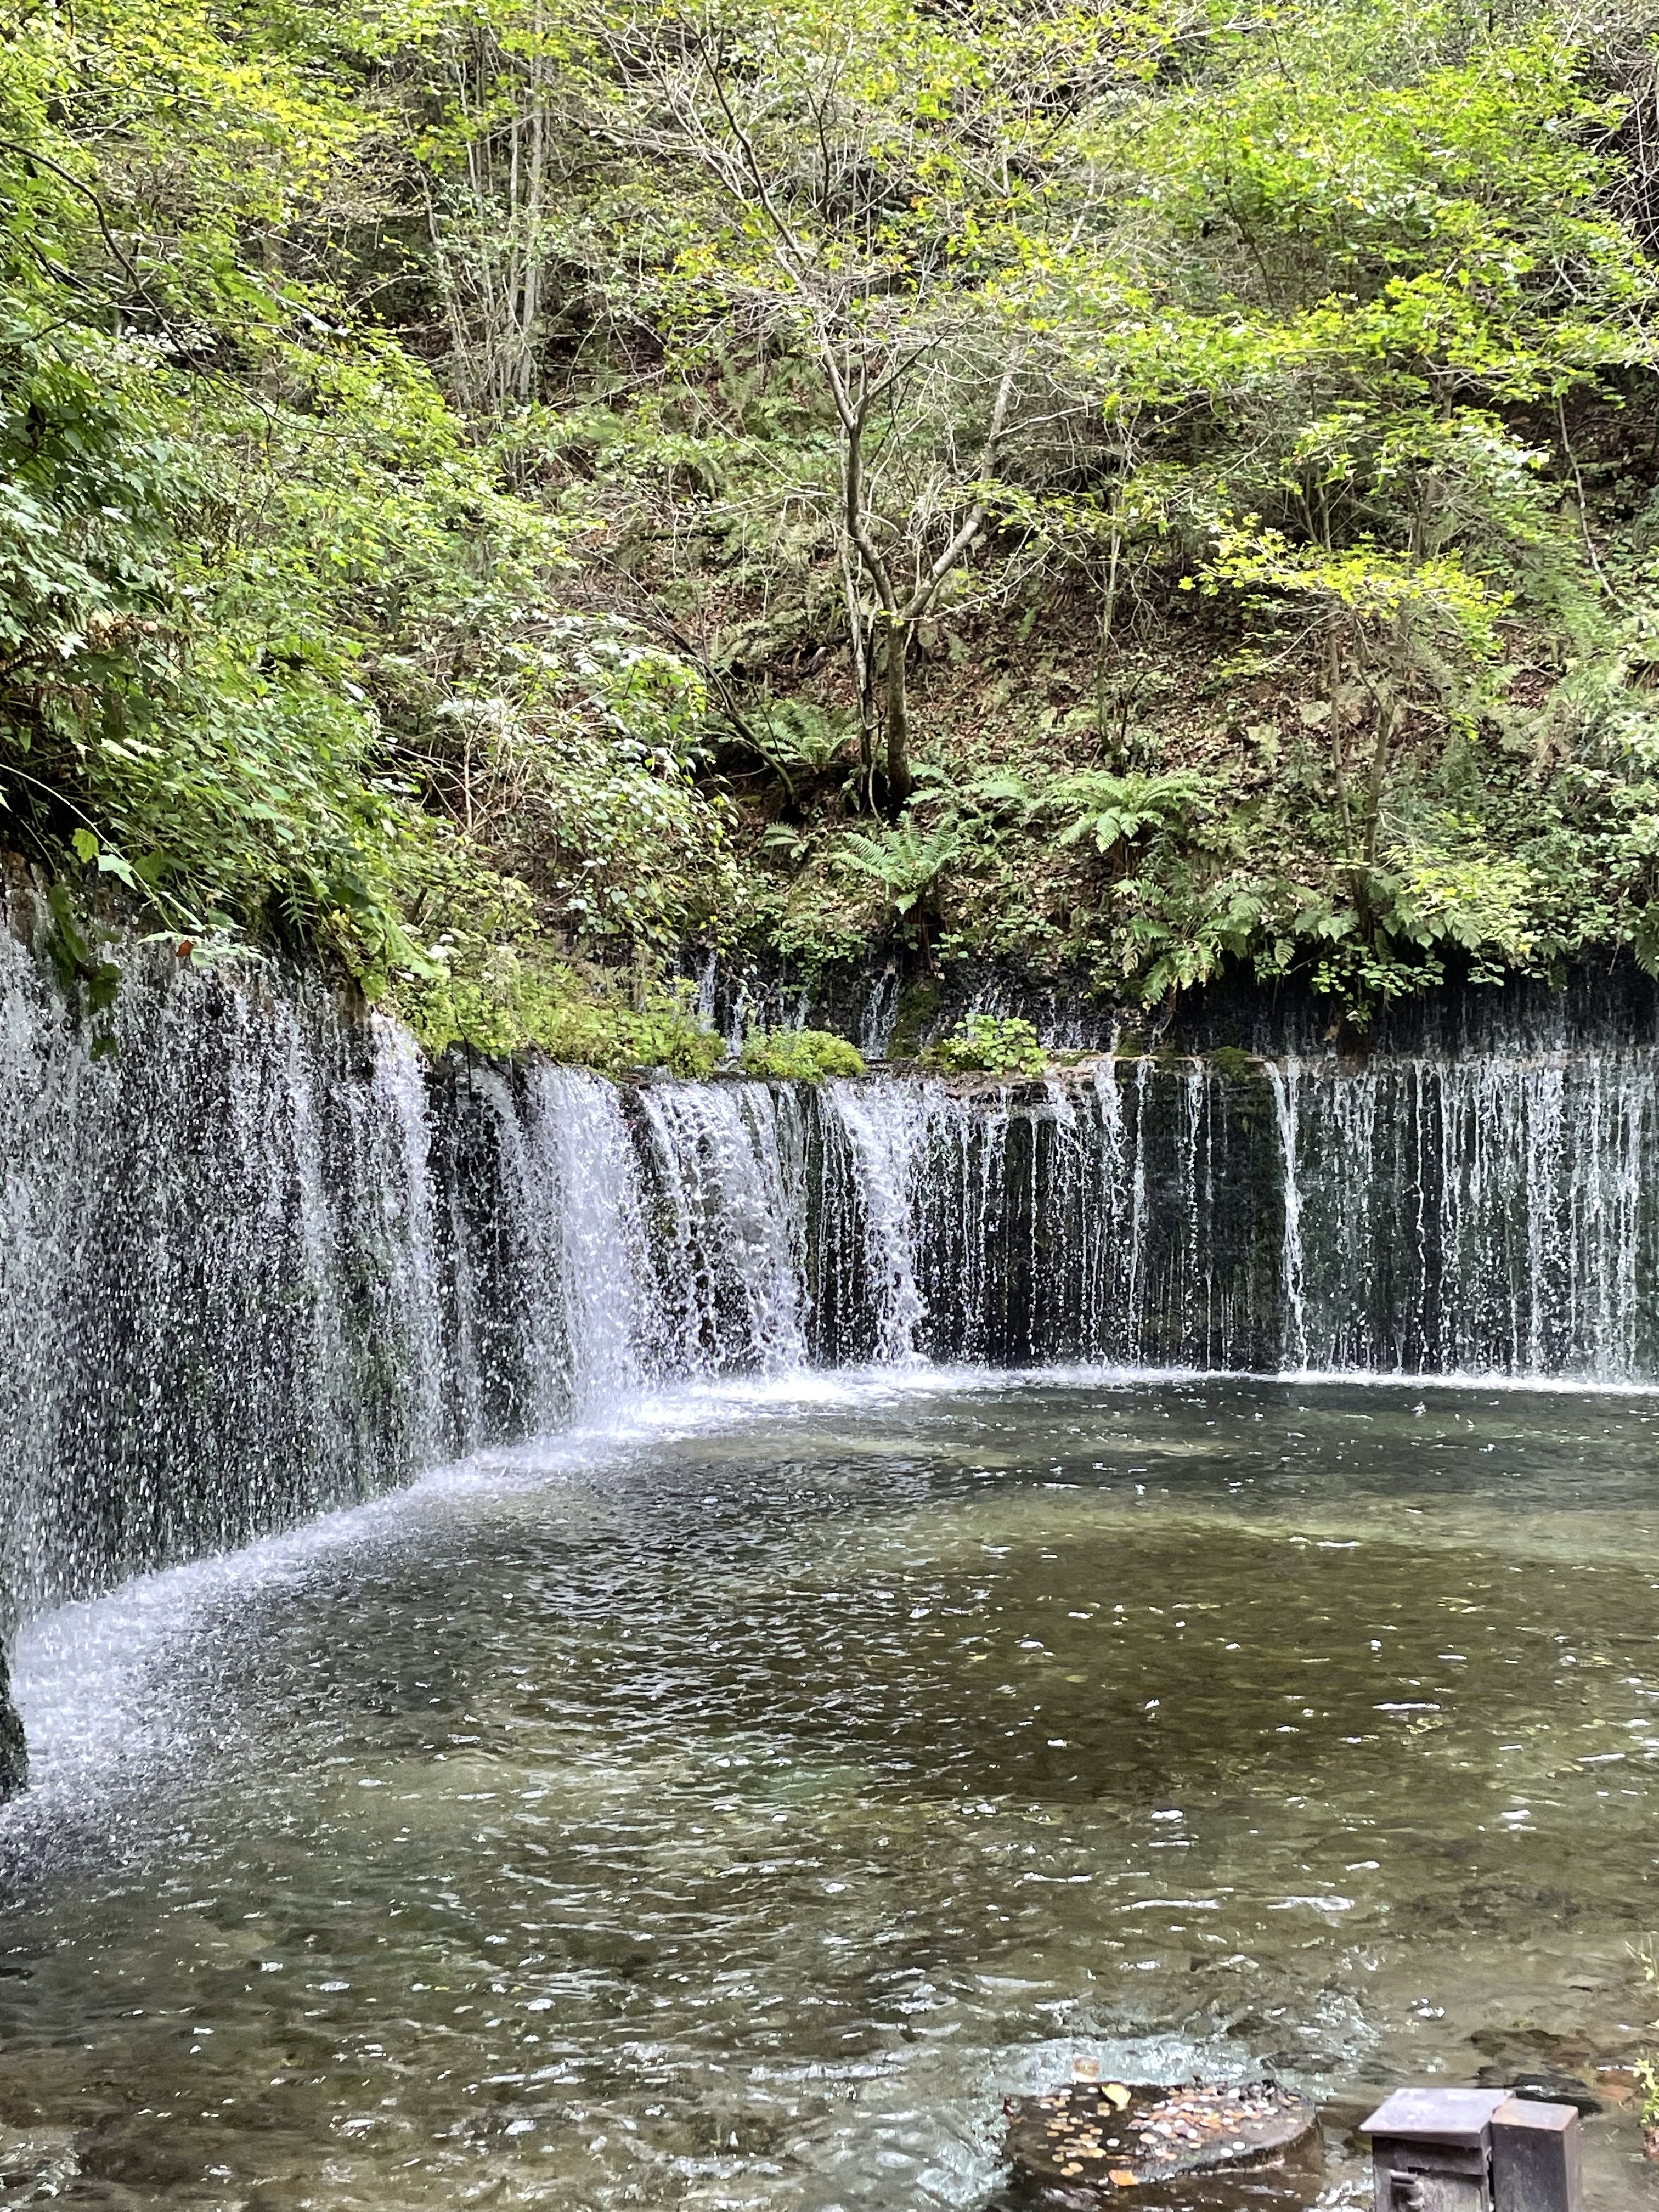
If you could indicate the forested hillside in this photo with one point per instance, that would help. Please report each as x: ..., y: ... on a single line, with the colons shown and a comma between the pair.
x: 507, y: 495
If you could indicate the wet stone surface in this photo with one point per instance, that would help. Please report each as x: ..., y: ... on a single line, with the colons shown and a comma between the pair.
x: 1109, y: 2136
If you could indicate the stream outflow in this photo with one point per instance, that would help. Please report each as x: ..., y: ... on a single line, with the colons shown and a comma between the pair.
x: 730, y: 1808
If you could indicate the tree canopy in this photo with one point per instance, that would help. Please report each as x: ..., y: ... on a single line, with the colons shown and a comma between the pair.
x: 508, y: 493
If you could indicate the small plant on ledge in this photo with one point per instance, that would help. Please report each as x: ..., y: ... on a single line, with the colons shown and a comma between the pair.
x: 799, y: 1056
x: 987, y: 1044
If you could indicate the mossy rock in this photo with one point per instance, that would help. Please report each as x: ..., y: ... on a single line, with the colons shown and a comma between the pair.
x: 918, y: 1005
x: 1099, y: 2140
x: 1234, y: 1065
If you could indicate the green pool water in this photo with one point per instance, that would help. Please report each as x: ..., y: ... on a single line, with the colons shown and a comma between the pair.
x: 727, y: 1811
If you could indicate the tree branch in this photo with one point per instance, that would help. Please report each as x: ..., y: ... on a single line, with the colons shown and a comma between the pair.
x: 974, y: 521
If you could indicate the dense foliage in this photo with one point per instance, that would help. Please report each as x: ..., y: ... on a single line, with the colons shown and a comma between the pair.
x: 799, y: 1055
x: 492, y: 487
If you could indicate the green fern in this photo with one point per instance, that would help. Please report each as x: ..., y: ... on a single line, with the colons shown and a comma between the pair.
x: 1114, y: 809
x: 906, y: 862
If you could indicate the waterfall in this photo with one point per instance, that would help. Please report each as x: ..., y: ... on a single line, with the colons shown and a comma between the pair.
x: 730, y: 1281
x: 1135, y: 1241
x: 1285, y: 1093
x: 410, y: 1212
x: 609, y: 1326
x: 886, y: 1136
x: 201, y: 1249
x: 263, y: 1259
x: 1489, y: 1212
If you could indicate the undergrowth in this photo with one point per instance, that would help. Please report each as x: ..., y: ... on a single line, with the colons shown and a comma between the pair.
x: 502, y: 499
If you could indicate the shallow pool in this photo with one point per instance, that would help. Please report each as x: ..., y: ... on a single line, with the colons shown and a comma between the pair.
x: 725, y: 1812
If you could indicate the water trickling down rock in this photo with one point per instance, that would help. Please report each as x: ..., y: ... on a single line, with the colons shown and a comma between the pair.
x: 262, y: 1261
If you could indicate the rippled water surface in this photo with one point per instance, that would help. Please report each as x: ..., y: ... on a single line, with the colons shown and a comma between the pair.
x: 726, y: 1813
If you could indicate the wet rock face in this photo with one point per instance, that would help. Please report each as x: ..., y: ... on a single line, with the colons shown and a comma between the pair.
x: 14, y: 1752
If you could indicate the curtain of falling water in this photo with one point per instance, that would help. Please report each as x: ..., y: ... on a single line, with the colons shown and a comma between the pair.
x: 262, y: 1260
x: 1493, y: 1212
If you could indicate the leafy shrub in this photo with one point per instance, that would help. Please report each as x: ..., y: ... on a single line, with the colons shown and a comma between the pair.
x: 497, y: 986
x: 988, y: 1044
x: 800, y: 1056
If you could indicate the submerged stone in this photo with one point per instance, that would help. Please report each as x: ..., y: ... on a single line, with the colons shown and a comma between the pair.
x: 1098, y: 2139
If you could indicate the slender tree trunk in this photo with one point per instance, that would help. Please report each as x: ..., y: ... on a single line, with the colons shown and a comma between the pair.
x: 895, y: 622
x: 1339, y: 745
x: 1387, y: 720
x: 1387, y: 695
x: 530, y: 293
x: 859, y: 643
x: 1108, y: 624
x: 900, y: 782
x: 509, y: 348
